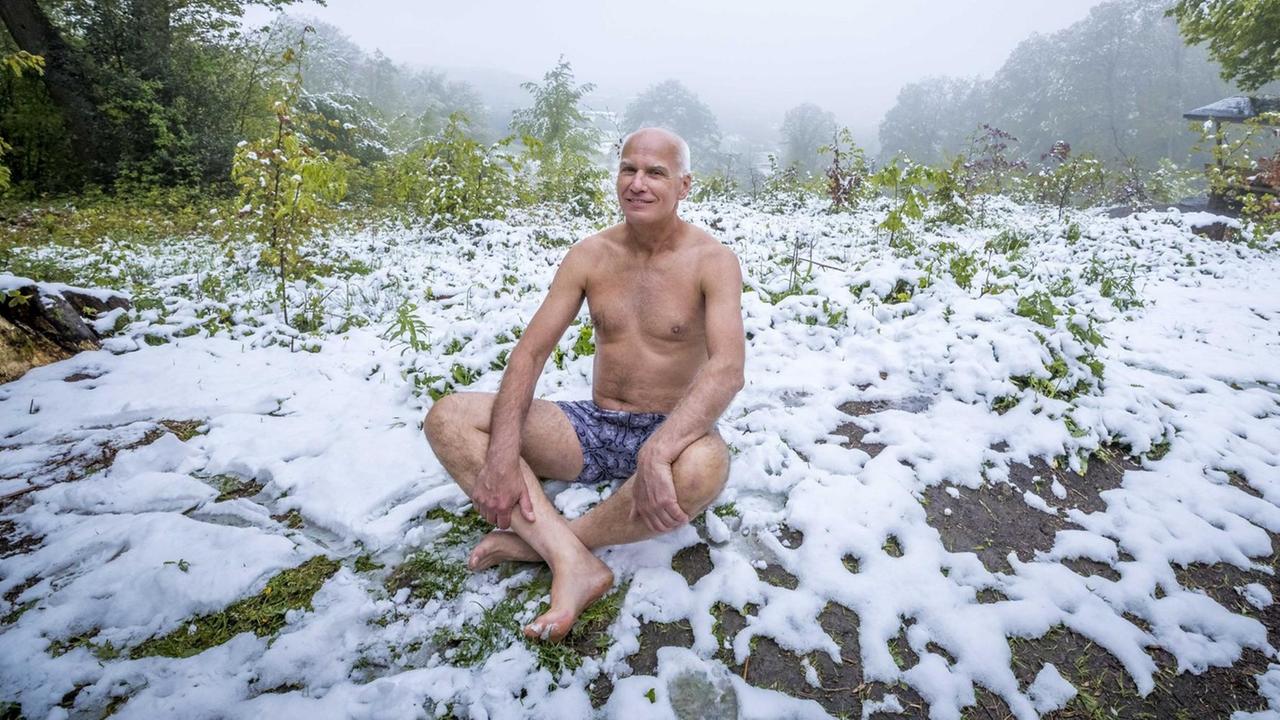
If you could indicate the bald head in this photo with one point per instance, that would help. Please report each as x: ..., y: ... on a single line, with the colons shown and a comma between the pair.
x: 665, y: 136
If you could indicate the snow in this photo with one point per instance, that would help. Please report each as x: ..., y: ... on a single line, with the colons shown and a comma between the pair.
x: 330, y: 428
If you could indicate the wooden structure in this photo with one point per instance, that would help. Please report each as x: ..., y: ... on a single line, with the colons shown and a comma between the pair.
x: 1235, y: 109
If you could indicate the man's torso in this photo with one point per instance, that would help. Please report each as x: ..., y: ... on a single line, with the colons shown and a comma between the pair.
x: 649, y: 320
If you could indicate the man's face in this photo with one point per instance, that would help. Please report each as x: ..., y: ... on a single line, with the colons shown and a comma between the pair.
x: 649, y: 184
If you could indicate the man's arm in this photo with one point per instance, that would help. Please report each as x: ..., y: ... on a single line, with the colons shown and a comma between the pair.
x: 499, y: 486
x: 708, y: 394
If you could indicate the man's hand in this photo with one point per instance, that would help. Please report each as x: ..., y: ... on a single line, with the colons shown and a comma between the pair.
x: 654, y: 498
x: 497, y: 490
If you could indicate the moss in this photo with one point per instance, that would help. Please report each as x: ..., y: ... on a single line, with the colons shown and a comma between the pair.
x: 428, y: 574
x: 262, y: 614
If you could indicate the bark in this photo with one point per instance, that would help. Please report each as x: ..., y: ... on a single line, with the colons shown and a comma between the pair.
x: 65, y: 78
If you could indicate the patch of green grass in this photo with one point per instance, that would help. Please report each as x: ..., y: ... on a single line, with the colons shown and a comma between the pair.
x: 104, y: 651
x: 262, y: 614
x: 231, y: 487
x: 428, y: 574
x: 463, y: 528
x: 291, y: 519
x: 12, y: 616
x: 726, y: 510
x: 184, y: 429
x: 496, y: 629
x: 892, y: 547
x: 365, y: 563
x: 1159, y: 450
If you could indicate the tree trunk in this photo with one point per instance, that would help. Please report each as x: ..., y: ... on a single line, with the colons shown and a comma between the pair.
x: 64, y: 78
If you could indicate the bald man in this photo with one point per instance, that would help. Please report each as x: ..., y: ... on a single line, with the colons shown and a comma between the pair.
x: 665, y: 303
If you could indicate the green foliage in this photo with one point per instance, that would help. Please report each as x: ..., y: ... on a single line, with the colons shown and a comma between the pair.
x: 952, y: 193
x: 1238, y: 168
x: 848, y: 173
x: 562, y: 142
x: 903, y: 183
x: 287, y: 186
x: 449, y: 179
x: 408, y: 329
x: 1114, y: 83
x: 584, y: 345
x: 717, y: 186
x: 1115, y: 281
x: 16, y: 64
x: 787, y: 189
x: 556, y: 120
x: 428, y: 574
x: 1067, y: 179
x: 262, y: 614
x: 1241, y: 34
x: 464, y: 527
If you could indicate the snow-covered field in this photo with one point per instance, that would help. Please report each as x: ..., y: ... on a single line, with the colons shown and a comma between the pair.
x: 1186, y: 378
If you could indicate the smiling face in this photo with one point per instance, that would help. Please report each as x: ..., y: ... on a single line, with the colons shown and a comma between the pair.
x: 651, y: 182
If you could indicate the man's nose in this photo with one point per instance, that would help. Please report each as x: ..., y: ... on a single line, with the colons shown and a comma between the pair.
x: 637, y: 184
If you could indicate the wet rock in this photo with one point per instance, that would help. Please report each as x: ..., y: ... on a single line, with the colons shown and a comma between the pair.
x: 699, y: 694
x: 40, y: 325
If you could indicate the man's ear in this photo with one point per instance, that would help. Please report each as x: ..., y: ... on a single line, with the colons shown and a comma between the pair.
x: 686, y: 183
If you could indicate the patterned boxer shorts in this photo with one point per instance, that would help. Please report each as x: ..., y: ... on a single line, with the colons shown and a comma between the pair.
x: 610, y: 439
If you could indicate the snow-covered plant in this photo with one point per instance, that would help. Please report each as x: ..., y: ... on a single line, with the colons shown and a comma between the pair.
x: 1065, y: 179
x: 903, y: 182
x: 848, y: 172
x: 1243, y: 172
x: 288, y: 188
x: 449, y: 179
x: 786, y: 189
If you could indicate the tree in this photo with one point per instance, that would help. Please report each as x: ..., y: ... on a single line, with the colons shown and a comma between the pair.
x: 555, y: 121
x: 562, y: 141
x: 671, y: 105
x: 147, y: 90
x: 1243, y: 36
x: 805, y: 129
x: 65, y: 76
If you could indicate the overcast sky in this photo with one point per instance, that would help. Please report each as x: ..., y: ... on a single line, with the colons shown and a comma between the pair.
x: 740, y: 56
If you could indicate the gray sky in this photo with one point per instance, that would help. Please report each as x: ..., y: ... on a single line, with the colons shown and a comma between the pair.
x: 741, y: 57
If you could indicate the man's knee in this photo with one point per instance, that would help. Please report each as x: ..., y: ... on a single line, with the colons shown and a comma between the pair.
x: 700, y: 473
x: 449, y: 414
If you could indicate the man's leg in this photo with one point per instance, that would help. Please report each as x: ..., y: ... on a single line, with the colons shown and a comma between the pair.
x: 457, y: 428
x: 699, y: 473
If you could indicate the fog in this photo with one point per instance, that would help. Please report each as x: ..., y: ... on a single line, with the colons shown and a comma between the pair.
x: 750, y: 61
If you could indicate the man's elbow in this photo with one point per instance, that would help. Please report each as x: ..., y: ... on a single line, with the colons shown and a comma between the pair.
x: 734, y: 378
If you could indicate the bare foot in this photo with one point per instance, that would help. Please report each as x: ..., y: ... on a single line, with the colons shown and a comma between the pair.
x: 572, y: 590
x: 500, y: 546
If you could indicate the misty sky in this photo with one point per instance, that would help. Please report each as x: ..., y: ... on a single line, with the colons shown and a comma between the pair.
x: 741, y: 57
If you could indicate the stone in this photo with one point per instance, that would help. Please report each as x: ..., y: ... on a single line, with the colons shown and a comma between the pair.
x: 696, y: 694
x: 39, y: 325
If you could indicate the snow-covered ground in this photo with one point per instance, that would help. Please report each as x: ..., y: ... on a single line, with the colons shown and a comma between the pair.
x: 973, y: 382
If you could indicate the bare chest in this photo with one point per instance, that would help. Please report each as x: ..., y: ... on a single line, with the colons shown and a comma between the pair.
x: 663, y: 304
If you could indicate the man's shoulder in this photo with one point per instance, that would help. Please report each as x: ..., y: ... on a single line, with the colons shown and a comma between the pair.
x: 708, y: 248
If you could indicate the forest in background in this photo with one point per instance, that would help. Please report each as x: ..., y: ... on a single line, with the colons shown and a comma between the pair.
x: 282, y: 129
